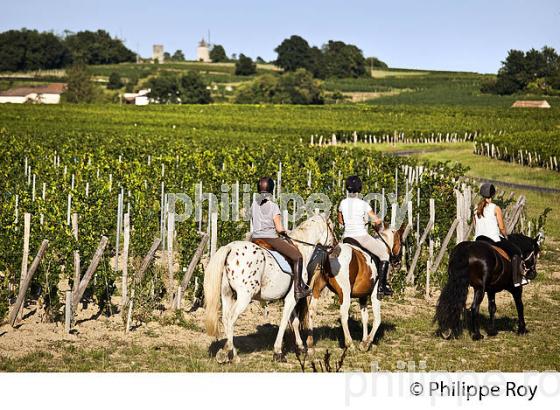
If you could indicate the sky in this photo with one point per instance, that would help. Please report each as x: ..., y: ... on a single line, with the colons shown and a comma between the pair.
x: 458, y: 35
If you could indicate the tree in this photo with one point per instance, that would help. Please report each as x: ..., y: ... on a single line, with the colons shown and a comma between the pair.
x: 178, y: 56
x: 297, y: 87
x: 343, y: 60
x: 98, y: 47
x: 374, y: 62
x: 187, y: 89
x: 260, y: 60
x: 193, y: 89
x: 245, y: 66
x: 262, y: 90
x: 294, y: 53
x: 115, y: 81
x: 300, y: 87
x: 534, y: 71
x: 80, y: 89
x: 22, y: 50
x: 218, y: 54
x: 166, y: 56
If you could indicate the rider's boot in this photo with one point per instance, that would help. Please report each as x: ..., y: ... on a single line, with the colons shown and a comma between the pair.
x: 516, y: 271
x: 301, y: 290
x: 383, y: 288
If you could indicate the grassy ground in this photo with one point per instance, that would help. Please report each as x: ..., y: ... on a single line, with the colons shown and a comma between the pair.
x: 406, y: 335
x: 483, y: 167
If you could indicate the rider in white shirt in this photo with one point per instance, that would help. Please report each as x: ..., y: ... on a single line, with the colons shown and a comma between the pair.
x: 354, y: 213
x: 489, y: 226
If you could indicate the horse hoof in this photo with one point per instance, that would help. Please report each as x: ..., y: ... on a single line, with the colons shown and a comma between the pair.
x: 522, y: 331
x: 236, y: 359
x: 477, y: 337
x: 279, y: 358
x: 350, y: 346
x: 222, y: 356
x: 492, y: 333
x: 364, y: 346
x: 301, y: 349
x: 446, y: 334
x: 310, y: 351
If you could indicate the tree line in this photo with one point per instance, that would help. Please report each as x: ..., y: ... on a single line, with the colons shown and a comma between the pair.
x: 333, y: 59
x: 532, y: 71
x: 24, y: 50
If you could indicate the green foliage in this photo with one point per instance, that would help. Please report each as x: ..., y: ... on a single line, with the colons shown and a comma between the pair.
x: 245, y: 66
x: 23, y: 50
x: 80, y: 88
x: 335, y: 59
x: 218, y: 54
x: 343, y: 60
x: 107, y: 147
x: 98, y: 47
x: 297, y: 87
x: 178, y: 55
x: 115, y: 81
x: 531, y: 71
x: 374, y: 62
x: 186, y: 89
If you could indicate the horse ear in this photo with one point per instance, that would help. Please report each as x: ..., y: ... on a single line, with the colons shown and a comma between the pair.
x: 402, y: 228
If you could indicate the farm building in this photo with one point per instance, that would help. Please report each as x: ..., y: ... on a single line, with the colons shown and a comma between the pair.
x: 531, y: 104
x: 139, y: 98
x: 203, y: 52
x: 44, y: 94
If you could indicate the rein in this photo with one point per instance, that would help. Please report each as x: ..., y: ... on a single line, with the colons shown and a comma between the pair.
x: 326, y: 247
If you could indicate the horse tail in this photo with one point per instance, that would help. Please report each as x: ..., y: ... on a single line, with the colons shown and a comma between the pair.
x: 454, y: 294
x: 212, y: 289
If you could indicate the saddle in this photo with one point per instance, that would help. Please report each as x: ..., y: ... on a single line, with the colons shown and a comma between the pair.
x: 374, y: 258
x: 278, y: 257
x: 497, y: 248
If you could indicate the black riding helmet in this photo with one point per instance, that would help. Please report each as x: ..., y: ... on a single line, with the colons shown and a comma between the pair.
x: 487, y: 190
x: 265, y: 185
x: 353, y: 184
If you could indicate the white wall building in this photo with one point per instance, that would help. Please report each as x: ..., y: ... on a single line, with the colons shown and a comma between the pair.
x: 139, y: 98
x: 44, y: 94
x: 203, y: 52
x: 157, y: 53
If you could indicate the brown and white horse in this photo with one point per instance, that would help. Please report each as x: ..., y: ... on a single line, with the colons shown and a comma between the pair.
x: 352, y: 274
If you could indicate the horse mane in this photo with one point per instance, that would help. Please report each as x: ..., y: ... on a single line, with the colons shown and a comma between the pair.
x: 525, y: 243
x: 300, y: 231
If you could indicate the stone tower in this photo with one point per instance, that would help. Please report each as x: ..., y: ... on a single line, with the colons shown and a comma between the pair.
x: 157, y: 53
x: 203, y: 52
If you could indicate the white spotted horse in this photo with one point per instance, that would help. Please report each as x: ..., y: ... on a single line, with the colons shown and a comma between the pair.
x: 243, y: 271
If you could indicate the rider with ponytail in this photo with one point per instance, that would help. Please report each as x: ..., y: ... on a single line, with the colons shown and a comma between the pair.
x: 354, y: 213
x: 267, y: 227
x: 489, y: 226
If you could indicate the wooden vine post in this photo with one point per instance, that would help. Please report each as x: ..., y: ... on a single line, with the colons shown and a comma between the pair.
x: 190, y: 270
x: 138, y: 279
x: 23, y: 288
x: 427, y: 230
x: 77, y: 295
x: 25, y: 256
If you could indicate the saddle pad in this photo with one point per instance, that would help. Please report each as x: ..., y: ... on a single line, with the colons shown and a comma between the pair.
x: 282, y: 261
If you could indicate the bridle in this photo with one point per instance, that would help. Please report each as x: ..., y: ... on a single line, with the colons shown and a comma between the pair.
x: 393, y: 259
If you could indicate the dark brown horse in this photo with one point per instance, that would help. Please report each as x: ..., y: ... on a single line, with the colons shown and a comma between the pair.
x: 487, y: 269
